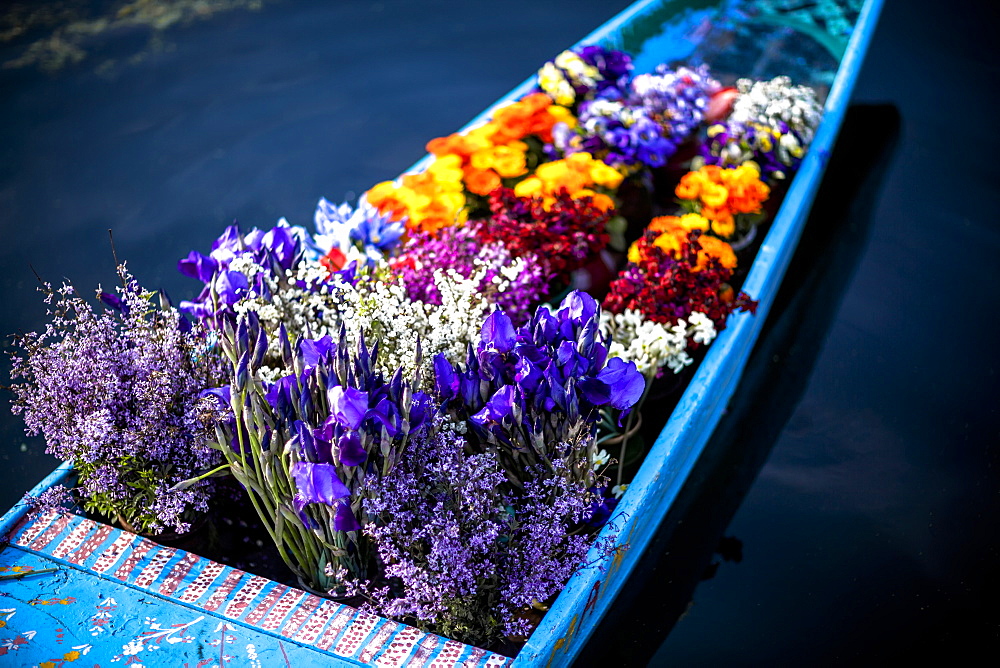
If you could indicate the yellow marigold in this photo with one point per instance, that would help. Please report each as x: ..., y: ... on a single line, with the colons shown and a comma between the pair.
x: 421, y: 182
x: 603, y: 202
x: 446, y: 169
x: 482, y: 159
x: 581, y: 160
x: 529, y: 115
x: 461, y: 145
x: 529, y: 187
x: 433, y: 217
x: 693, y: 221
x: 508, y: 161
x: 455, y: 201
x: 669, y: 242
x: 712, y: 172
x: 724, y: 225
x: 605, y: 175
x: 634, y: 255
x: 556, y: 178
x: 600, y: 200
x: 689, y: 186
x: 663, y: 224
x: 563, y: 115
x: 385, y: 197
x: 551, y: 172
x: 714, y: 195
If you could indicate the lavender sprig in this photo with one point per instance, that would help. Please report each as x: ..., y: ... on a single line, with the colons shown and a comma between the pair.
x: 117, y: 392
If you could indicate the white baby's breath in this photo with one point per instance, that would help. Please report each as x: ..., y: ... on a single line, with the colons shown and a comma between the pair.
x: 651, y: 345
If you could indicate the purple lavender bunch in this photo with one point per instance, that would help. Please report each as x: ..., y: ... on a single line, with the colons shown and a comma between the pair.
x: 118, y: 393
x: 304, y: 446
x: 515, y: 285
x: 468, y: 554
x: 544, y: 549
x: 441, y: 537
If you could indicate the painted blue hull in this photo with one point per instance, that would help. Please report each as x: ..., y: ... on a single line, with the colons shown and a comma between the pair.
x: 117, y: 598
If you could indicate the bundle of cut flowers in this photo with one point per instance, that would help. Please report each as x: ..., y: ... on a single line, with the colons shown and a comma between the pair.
x: 417, y: 403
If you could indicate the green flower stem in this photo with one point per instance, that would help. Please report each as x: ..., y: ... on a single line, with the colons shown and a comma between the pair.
x: 626, y: 435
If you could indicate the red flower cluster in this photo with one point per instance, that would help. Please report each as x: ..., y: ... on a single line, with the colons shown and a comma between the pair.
x: 564, y: 233
x: 666, y: 288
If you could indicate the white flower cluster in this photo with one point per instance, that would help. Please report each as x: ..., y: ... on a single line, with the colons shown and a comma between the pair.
x: 767, y: 102
x: 593, y: 117
x: 376, y: 309
x: 651, y: 345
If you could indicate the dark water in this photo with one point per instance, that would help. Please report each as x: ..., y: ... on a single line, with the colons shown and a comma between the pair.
x: 869, y: 528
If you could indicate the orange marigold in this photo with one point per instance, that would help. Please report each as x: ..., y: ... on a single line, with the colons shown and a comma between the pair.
x: 717, y: 248
x: 481, y: 181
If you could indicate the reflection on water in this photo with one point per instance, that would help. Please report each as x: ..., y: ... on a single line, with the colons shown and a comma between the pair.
x: 63, y: 33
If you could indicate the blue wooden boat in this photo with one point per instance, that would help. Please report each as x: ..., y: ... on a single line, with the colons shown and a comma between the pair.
x: 79, y: 592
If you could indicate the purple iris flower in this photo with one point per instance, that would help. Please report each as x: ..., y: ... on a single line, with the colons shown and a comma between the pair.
x: 385, y: 413
x: 545, y: 327
x: 318, y: 483
x: 227, y: 246
x: 253, y: 240
x: 282, y: 244
x: 199, y: 266
x: 619, y: 384
x: 231, y: 286
x: 220, y: 394
x: 306, y: 441
x: 113, y: 301
x: 527, y: 375
x: 315, y: 350
x: 600, y: 510
x: 570, y: 362
x: 280, y: 394
x: 345, y: 520
x: 348, y: 407
x: 625, y: 381
x: 446, y: 383
x: 499, y: 407
x: 579, y: 307
x: 350, y: 452
x: 498, y: 333
x: 197, y: 310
